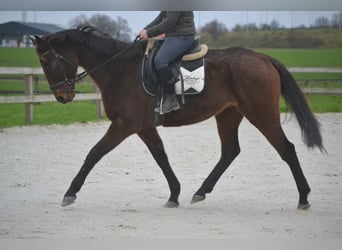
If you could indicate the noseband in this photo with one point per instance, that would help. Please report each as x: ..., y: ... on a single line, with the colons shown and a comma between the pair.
x: 61, y: 60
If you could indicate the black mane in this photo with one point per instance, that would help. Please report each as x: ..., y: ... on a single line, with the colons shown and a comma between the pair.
x: 94, y: 40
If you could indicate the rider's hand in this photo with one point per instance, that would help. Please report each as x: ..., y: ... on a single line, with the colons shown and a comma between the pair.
x: 143, y: 34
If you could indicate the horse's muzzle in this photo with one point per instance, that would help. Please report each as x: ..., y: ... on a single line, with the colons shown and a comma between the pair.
x: 64, y: 97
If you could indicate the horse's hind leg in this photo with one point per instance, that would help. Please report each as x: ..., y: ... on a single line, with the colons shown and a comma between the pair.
x: 275, y: 135
x: 267, y: 120
x: 228, y: 123
x: 152, y: 140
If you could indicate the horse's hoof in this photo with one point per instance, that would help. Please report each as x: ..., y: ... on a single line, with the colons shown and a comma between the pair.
x: 303, y: 206
x: 197, y: 198
x: 171, y: 204
x: 68, y: 200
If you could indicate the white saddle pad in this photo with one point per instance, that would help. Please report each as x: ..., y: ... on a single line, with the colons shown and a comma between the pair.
x: 193, y: 81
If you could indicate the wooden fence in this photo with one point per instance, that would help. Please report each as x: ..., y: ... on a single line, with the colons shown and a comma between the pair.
x: 319, y: 91
x: 30, y: 98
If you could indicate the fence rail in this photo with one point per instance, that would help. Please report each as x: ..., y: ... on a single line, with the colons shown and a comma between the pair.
x: 314, y: 70
x: 46, y: 98
x: 30, y: 98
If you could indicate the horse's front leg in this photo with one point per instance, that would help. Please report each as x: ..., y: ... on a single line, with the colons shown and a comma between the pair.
x: 152, y: 140
x: 116, y: 133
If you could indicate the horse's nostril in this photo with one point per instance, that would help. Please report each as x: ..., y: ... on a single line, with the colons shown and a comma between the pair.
x: 61, y: 99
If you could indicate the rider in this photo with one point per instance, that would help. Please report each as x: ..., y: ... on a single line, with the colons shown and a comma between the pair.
x: 179, y: 30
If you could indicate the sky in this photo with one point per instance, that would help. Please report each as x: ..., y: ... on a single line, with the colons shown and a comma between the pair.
x: 138, y: 19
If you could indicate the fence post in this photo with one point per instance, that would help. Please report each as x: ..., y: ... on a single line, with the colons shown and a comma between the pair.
x: 28, y: 92
x: 98, y: 103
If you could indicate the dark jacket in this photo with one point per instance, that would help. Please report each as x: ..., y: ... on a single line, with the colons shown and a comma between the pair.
x: 172, y: 23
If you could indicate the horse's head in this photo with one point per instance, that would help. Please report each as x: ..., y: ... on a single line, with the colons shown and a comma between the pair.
x: 60, y: 67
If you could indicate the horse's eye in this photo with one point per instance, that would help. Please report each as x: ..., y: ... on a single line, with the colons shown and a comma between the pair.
x: 45, y: 65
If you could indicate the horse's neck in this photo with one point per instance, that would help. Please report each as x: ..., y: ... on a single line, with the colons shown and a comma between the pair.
x: 106, y: 72
x: 90, y: 59
x: 94, y: 65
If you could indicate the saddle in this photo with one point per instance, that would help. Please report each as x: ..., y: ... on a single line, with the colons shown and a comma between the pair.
x: 189, y: 68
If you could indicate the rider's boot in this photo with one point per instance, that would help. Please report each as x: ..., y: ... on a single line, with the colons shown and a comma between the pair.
x: 169, y: 101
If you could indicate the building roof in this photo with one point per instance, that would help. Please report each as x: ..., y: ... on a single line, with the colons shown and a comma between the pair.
x: 15, y: 28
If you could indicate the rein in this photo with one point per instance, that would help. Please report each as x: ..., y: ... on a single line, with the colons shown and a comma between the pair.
x: 59, y: 58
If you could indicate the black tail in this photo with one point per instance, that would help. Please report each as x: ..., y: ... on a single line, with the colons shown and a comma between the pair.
x: 294, y: 97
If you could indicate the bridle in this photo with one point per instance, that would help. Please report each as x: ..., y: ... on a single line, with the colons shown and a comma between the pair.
x: 68, y: 83
x: 61, y: 60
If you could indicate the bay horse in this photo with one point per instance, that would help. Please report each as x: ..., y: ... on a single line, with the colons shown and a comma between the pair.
x: 238, y: 83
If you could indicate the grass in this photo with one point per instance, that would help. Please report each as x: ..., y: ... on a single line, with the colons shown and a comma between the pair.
x: 306, y: 57
x: 18, y: 57
x: 48, y: 113
x: 322, y: 104
x: 319, y: 103
x: 51, y: 113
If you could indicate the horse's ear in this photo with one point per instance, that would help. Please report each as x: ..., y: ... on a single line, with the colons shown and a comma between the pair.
x: 37, y: 41
x: 33, y: 40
